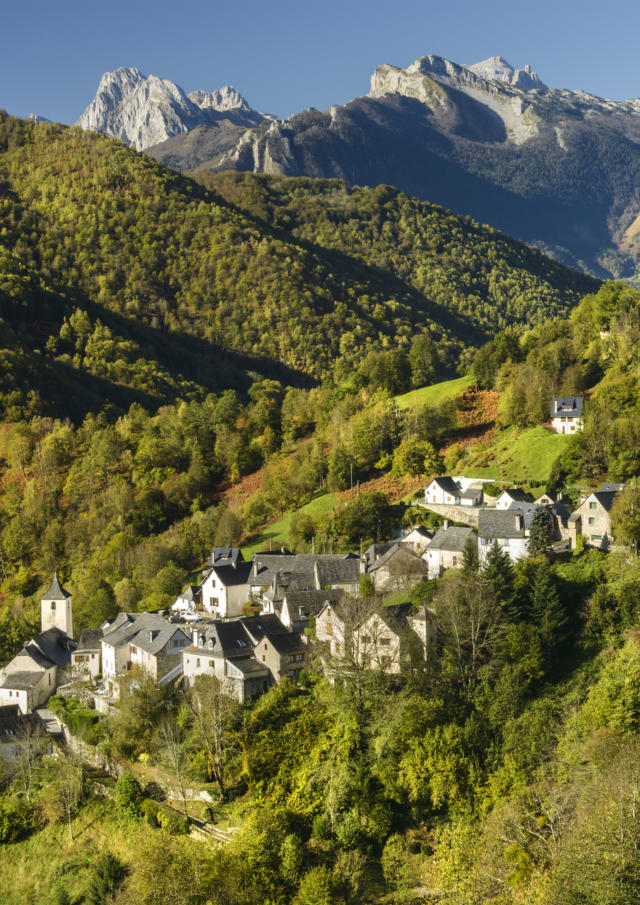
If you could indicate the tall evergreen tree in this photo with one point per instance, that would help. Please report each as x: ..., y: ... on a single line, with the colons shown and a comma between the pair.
x: 498, y: 571
x: 547, y: 612
x: 541, y: 531
x: 470, y: 560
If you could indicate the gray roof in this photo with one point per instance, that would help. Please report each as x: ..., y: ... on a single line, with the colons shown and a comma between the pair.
x: 310, y: 601
x: 399, y: 548
x: 300, y: 566
x: 568, y: 406
x: 285, y: 644
x: 493, y: 523
x: 56, y: 591
x: 337, y: 571
x: 21, y: 681
x: 53, y: 645
x: 193, y: 592
x: 610, y: 488
x: 225, y: 556
x: 518, y: 495
x: 148, y: 631
x: 527, y: 510
x: 90, y: 639
x: 606, y: 498
x: 448, y: 485
x: 452, y: 539
x: 248, y: 665
x: 262, y: 624
x: 231, y: 575
x: 229, y: 639
x: 376, y: 550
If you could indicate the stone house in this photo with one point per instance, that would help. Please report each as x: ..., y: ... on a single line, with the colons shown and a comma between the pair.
x: 566, y: 414
x: 225, y: 650
x: 592, y: 518
x: 416, y: 538
x: 87, y: 657
x: 299, y: 606
x: 376, y: 639
x: 446, y: 549
x: 283, y: 654
x: 505, y: 527
x: 145, y: 640
x: 19, y: 731
x: 398, y: 568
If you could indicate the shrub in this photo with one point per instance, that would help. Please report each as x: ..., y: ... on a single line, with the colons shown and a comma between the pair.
x: 149, y: 810
x: 128, y: 795
x: 175, y: 824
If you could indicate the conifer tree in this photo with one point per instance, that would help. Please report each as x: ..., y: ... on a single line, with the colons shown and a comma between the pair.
x: 470, y: 560
x: 498, y: 571
x: 541, y: 532
x: 548, y: 614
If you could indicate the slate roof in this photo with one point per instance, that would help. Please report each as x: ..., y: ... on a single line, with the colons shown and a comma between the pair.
x: 451, y: 539
x: 448, y: 485
x: 21, y: 681
x: 56, y: 591
x: 135, y: 630
x: 527, y: 510
x: 518, y: 495
x: 610, y: 488
x: 230, y: 575
x: 605, y: 498
x: 90, y: 639
x: 262, y: 624
x: 376, y: 550
x: 14, y: 723
x: 569, y: 406
x: 225, y: 556
x: 192, y: 592
x: 337, y: 571
x: 285, y: 644
x: 494, y: 523
x: 404, y: 549
x: 310, y: 601
x: 54, y: 646
x: 301, y: 566
x: 248, y: 665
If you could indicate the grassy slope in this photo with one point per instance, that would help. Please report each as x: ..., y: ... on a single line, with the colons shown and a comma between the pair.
x: 434, y: 394
x: 518, y: 456
x: 277, y: 534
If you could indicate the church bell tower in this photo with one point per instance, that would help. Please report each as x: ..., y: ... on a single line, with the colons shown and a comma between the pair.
x: 55, y: 609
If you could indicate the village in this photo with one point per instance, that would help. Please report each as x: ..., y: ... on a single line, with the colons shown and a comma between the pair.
x: 252, y: 623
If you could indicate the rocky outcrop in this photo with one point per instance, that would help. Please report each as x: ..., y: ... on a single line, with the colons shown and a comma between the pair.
x: 146, y: 110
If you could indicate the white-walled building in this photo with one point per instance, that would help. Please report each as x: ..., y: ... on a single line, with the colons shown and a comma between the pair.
x: 566, y: 414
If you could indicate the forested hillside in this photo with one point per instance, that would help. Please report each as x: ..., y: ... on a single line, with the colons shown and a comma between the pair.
x: 129, y: 245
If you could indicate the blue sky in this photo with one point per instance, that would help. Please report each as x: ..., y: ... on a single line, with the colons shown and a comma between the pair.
x: 285, y: 56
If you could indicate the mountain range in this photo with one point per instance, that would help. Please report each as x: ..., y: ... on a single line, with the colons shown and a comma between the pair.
x: 145, y: 110
x: 556, y: 168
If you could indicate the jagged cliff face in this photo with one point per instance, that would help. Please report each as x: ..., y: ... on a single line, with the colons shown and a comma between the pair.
x: 145, y: 110
x: 553, y: 167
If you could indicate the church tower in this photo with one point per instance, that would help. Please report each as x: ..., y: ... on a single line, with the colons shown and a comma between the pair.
x: 55, y: 609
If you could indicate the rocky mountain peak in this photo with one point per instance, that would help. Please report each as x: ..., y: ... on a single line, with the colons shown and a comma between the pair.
x: 145, y: 110
x: 221, y: 100
x: 498, y: 69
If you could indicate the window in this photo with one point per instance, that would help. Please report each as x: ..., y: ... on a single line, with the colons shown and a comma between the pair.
x: 596, y: 537
x: 53, y: 604
x: 329, y: 629
x: 593, y: 505
x: 592, y: 521
x: 385, y: 642
x: 197, y: 662
x: 455, y: 560
x: 290, y: 658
